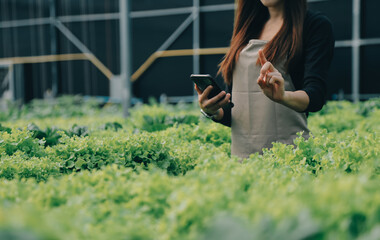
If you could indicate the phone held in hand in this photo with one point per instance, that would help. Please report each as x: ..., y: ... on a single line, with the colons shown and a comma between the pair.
x: 205, y: 80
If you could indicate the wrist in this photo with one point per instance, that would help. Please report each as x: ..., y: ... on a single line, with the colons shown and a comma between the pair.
x: 297, y: 100
x: 286, y: 98
x: 214, y: 116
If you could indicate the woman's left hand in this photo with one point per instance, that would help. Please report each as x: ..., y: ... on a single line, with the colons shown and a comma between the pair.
x: 270, y: 80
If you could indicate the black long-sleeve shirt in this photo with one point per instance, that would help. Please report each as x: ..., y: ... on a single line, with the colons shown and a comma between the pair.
x: 318, y: 49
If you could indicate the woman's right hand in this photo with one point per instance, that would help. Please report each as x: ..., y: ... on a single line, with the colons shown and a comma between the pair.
x: 212, y: 106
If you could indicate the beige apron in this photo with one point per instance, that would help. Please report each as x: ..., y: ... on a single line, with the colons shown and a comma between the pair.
x: 256, y: 120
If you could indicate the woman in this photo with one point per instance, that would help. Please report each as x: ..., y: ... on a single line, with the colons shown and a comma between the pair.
x: 276, y: 71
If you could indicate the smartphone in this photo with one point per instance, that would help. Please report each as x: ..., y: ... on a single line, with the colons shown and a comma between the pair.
x: 205, y: 80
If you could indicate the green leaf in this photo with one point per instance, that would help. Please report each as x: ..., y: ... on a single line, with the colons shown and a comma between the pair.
x: 79, y: 163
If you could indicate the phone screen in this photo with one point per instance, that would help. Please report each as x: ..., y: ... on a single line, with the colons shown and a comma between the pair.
x: 203, y: 83
x: 205, y: 80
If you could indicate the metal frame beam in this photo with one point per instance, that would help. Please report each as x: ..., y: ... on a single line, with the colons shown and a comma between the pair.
x: 161, y: 12
x: 57, y: 58
x: 77, y: 43
x: 89, y: 17
x: 175, y: 53
x: 25, y: 22
x: 116, y: 16
x: 71, y: 37
x: 53, y: 48
x: 184, y: 25
x: 196, y: 36
x: 125, y: 54
x: 355, y: 43
x: 12, y: 83
x: 356, y: 50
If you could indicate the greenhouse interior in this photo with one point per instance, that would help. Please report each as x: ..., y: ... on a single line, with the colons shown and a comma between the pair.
x: 109, y: 128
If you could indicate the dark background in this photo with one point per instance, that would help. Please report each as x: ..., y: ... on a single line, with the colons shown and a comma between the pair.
x: 167, y: 75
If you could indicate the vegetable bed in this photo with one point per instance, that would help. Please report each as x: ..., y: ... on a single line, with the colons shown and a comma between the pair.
x: 72, y: 170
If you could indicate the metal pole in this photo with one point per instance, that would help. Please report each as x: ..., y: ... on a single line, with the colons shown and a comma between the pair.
x: 53, y: 49
x: 125, y: 53
x: 356, y: 50
x: 12, y: 87
x: 196, y: 39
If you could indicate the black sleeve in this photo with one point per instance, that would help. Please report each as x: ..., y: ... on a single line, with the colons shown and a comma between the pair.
x: 226, y: 120
x: 318, y: 53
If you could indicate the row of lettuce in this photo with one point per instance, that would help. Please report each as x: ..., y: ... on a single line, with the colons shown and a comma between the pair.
x: 166, y: 173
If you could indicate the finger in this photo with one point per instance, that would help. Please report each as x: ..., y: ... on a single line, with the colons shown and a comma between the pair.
x: 274, y: 74
x: 260, y: 79
x: 262, y: 76
x: 272, y: 81
x: 267, y: 67
x: 225, y: 100
x: 197, y: 89
x: 276, y: 79
x: 206, y: 92
x: 216, y: 99
x: 262, y: 57
x: 269, y: 78
x: 261, y: 83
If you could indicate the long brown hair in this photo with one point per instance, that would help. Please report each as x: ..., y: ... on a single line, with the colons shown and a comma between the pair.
x: 250, y: 18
